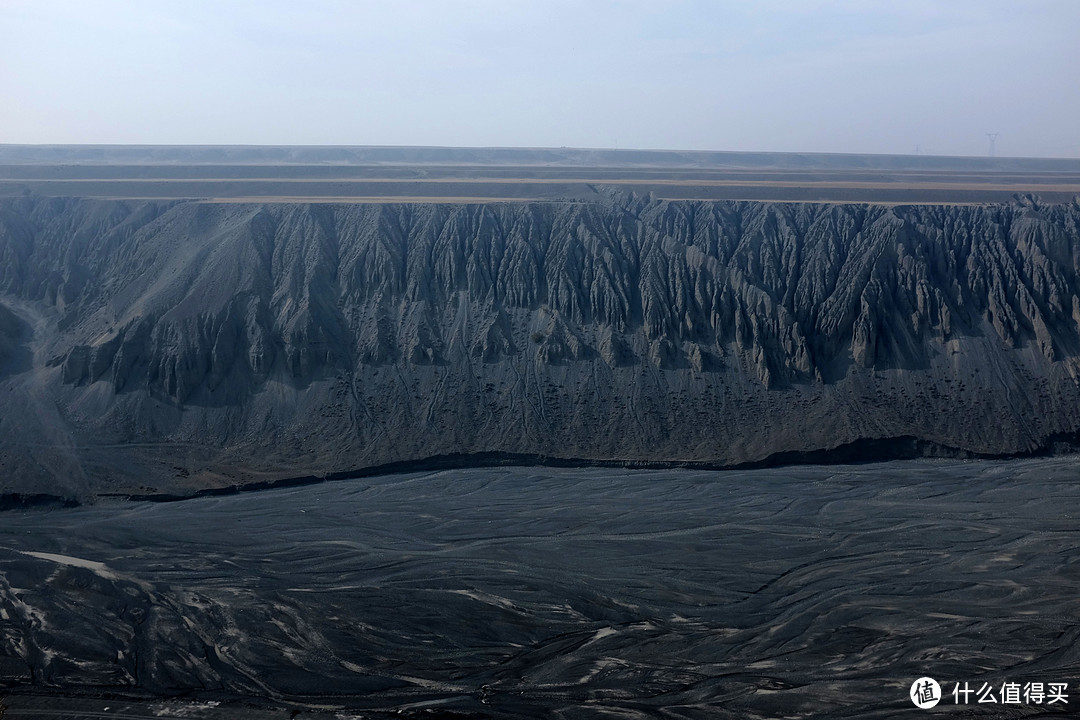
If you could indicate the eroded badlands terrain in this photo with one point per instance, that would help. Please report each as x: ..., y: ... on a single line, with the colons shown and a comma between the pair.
x: 167, y: 346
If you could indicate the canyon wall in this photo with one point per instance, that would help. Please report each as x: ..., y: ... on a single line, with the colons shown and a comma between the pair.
x: 150, y: 347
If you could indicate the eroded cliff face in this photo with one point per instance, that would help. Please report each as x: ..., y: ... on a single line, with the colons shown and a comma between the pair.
x: 169, y: 346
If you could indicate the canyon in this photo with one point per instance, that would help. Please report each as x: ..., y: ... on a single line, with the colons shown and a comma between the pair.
x: 171, y: 346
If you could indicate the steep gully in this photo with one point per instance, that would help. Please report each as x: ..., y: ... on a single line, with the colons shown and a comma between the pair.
x: 163, y: 349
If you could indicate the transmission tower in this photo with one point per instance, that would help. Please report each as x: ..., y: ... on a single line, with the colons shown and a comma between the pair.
x: 993, y: 142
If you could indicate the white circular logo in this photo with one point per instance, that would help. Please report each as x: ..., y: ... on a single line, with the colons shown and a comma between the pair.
x: 925, y: 693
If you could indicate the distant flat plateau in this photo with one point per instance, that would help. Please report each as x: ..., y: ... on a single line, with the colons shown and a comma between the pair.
x: 471, y: 175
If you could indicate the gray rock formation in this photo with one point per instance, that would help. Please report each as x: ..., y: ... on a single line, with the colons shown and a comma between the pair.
x: 173, y: 346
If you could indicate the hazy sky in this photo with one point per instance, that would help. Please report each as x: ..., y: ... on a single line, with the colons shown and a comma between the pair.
x: 823, y: 76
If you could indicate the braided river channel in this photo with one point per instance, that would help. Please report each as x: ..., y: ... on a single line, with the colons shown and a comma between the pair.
x: 517, y: 592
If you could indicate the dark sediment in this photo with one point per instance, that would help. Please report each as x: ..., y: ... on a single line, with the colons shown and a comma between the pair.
x: 807, y: 592
x: 171, y: 348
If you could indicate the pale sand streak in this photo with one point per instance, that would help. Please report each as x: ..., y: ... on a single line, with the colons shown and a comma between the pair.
x: 95, y: 567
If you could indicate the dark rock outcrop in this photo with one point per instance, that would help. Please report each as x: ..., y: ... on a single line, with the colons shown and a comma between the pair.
x: 234, y: 341
x: 13, y: 355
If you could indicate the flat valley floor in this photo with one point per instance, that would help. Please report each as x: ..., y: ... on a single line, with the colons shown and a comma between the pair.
x: 254, y: 174
x: 808, y: 592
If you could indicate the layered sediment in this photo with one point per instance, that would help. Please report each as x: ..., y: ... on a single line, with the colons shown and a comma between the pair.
x: 172, y: 346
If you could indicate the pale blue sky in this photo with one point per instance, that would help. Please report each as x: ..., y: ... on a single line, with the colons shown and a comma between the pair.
x: 816, y: 76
